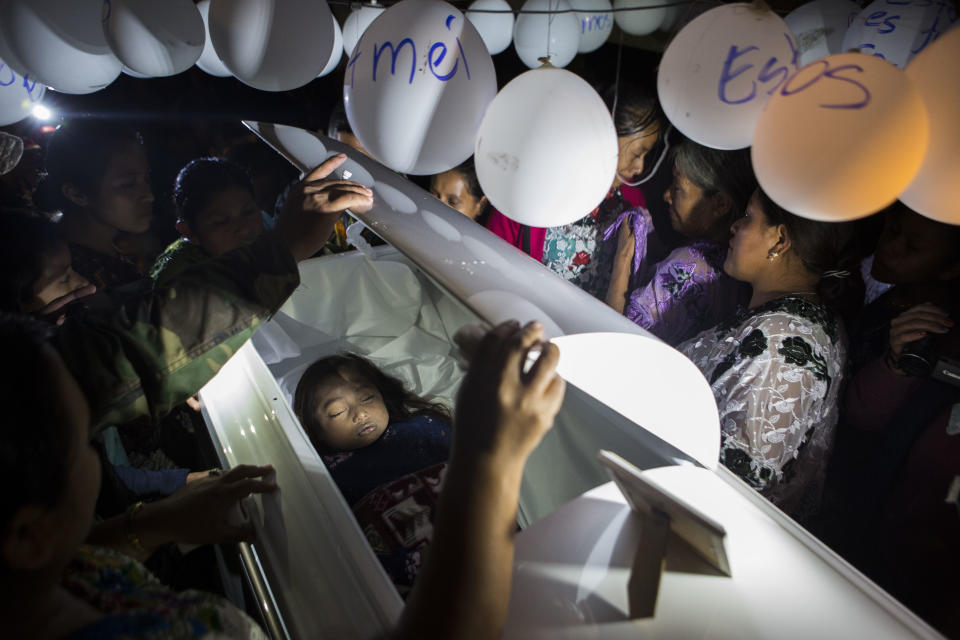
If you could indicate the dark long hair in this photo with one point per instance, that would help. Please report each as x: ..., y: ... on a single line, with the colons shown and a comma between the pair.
x: 201, y: 180
x: 401, y: 404
x: 831, y: 250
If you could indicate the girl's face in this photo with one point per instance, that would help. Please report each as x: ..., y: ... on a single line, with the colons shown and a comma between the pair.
x: 633, y: 150
x: 232, y: 219
x: 57, y: 278
x: 450, y: 188
x: 124, y: 198
x: 691, y: 211
x: 753, y: 239
x: 350, y: 411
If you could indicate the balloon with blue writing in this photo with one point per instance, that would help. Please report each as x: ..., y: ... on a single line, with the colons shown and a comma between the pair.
x: 208, y: 61
x: 840, y: 139
x: 897, y: 30
x: 337, y: 52
x: 644, y: 18
x: 417, y: 85
x: 935, y: 190
x: 356, y: 23
x: 546, y: 151
x: 494, y: 21
x: 819, y: 27
x: 272, y: 45
x: 719, y: 71
x: 596, y: 23
x: 18, y: 95
x: 155, y: 39
x: 58, y: 43
x: 546, y: 35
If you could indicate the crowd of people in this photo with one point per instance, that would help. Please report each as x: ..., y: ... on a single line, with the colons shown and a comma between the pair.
x: 820, y: 342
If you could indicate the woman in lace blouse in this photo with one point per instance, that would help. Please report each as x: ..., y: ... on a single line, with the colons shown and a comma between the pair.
x: 776, y: 369
x: 687, y: 291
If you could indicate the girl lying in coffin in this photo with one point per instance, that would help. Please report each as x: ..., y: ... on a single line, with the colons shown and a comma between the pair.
x: 386, y: 449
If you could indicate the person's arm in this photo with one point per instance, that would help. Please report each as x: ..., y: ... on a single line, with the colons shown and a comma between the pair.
x: 502, y: 226
x: 879, y: 388
x: 463, y: 588
x: 771, y: 402
x: 199, y: 513
x: 633, y: 236
x: 141, y: 353
x: 147, y: 482
x: 622, y: 269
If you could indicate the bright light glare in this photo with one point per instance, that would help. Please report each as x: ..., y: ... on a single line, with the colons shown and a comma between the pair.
x: 40, y: 112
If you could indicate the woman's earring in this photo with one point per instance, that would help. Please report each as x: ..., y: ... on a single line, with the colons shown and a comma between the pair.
x: 772, y: 255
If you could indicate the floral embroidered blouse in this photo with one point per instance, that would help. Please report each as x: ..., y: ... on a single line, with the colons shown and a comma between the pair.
x: 135, y: 604
x: 580, y: 253
x: 687, y: 293
x: 776, y: 372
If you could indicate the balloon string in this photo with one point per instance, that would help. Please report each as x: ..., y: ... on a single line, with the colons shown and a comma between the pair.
x: 549, y: 26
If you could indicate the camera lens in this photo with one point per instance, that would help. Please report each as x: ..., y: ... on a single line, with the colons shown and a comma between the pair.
x: 918, y: 357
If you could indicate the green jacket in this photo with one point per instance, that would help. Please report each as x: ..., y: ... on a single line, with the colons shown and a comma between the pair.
x: 179, y: 256
x: 140, y: 350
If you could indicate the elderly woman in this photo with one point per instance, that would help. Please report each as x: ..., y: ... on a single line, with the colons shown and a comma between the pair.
x: 776, y: 369
x: 688, y: 291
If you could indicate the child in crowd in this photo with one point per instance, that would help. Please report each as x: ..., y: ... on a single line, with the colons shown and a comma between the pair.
x: 387, y: 450
x: 216, y: 212
x: 459, y: 188
x: 686, y: 292
x: 36, y: 266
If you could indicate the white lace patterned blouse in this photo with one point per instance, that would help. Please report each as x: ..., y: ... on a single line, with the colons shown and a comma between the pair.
x: 776, y: 372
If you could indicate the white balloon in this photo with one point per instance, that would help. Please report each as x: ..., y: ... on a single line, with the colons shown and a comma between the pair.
x: 154, y: 39
x: 337, y: 52
x: 417, y: 85
x: 819, y: 27
x: 720, y: 70
x: 841, y: 139
x: 596, y: 23
x: 642, y: 21
x: 897, y: 31
x: 539, y: 35
x: 273, y: 45
x: 935, y: 191
x: 546, y: 151
x: 496, y: 29
x: 18, y: 95
x: 355, y: 25
x: 671, y: 17
x: 59, y: 43
x: 133, y: 74
x: 208, y: 61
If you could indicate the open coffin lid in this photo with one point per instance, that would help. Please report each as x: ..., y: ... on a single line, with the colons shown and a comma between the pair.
x: 400, y: 305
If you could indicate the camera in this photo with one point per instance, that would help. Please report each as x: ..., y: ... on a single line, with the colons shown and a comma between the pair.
x: 922, y: 358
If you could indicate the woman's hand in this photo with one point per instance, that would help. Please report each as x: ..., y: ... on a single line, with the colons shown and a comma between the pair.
x: 200, y: 513
x: 502, y: 410
x: 912, y: 325
x: 626, y: 243
x: 314, y: 205
x: 53, y: 311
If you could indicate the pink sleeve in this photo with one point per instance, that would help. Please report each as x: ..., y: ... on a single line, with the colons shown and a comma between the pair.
x: 633, y: 195
x: 504, y: 227
x: 874, y: 394
x: 510, y: 231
